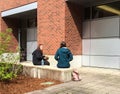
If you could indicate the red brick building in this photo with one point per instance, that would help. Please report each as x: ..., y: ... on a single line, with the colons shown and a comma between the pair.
x: 49, y: 22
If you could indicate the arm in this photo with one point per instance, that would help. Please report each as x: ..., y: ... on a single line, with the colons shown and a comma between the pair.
x: 56, y: 55
x: 70, y: 56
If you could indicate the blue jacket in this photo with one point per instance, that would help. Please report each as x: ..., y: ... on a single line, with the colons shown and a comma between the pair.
x: 63, y: 56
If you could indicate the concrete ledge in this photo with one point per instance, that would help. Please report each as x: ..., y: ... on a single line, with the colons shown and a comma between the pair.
x: 36, y: 71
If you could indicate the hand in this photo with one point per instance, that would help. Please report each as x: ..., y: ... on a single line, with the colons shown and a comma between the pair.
x: 46, y: 57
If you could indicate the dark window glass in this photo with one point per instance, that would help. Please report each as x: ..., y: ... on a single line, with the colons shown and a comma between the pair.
x: 87, y: 13
x: 106, y: 10
x: 32, y: 22
x: 99, y: 13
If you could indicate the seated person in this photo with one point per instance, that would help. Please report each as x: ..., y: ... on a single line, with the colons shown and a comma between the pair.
x: 38, y: 58
x: 63, y: 56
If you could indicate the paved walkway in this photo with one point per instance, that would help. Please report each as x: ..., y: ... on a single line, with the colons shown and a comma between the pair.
x: 94, y: 81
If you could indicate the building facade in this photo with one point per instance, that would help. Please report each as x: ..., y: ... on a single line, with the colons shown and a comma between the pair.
x: 81, y: 23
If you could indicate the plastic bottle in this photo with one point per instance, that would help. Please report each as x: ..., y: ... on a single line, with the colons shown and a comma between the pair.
x: 42, y: 62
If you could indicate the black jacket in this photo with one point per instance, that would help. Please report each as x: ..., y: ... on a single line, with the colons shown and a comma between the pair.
x: 37, y: 57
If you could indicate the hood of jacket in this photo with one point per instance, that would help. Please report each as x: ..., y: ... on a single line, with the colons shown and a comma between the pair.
x: 64, y: 50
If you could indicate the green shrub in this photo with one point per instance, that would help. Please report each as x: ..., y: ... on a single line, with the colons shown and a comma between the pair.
x: 9, y: 68
x: 5, y: 38
x: 8, y: 71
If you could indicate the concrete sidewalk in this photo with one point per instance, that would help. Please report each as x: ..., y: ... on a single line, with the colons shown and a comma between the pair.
x: 94, y: 81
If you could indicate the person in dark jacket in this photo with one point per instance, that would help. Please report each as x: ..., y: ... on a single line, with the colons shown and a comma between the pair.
x: 63, y: 56
x: 38, y: 58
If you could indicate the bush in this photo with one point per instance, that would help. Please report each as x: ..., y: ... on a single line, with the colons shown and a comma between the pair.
x: 9, y: 68
x: 5, y: 38
x: 8, y: 71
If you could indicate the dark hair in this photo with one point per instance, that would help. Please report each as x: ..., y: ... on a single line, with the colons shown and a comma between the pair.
x: 62, y: 44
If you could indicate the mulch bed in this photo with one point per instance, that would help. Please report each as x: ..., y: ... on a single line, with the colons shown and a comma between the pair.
x: 23, y: 84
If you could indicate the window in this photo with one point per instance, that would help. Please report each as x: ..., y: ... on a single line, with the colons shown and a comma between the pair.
x: 32, y: 22
x: 87, y: 13
x: 105, y: 10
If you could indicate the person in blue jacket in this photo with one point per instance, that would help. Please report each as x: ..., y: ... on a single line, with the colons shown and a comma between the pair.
x: 63, y: 56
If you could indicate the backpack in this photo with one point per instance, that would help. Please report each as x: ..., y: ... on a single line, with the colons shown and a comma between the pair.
x: 75, y: 75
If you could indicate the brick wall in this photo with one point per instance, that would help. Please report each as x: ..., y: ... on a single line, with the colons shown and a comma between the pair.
x: 51, y: 24
x: 11, y: 23
x: 0, y: 21
x: 0, y: 18
x: 56, y: 21
x: 73, y: 27
x: 8, y: 4
x: 59, y: 21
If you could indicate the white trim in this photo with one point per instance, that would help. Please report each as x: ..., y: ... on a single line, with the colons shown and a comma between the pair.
x: 19, y: 9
